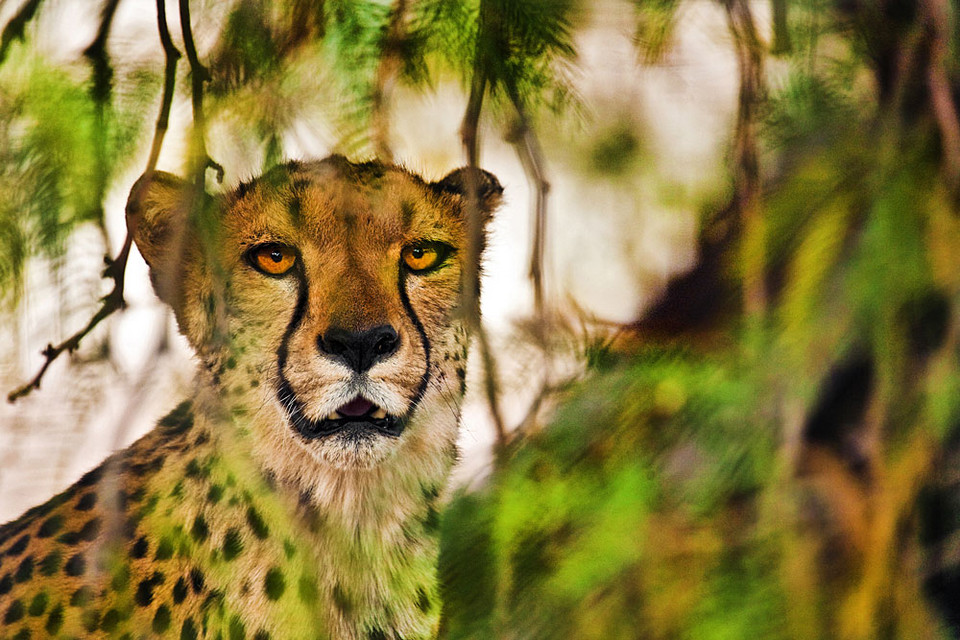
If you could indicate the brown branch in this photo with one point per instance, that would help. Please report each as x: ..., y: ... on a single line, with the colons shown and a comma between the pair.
x: 17, y: 25
x: 746, y: 155
x: 781, y: 28
x: 198, y: 75
x: 389, y: 66
x: 116, y: 268
x: 469, y: 135
x: 531, y: 157
x: 941, y: 98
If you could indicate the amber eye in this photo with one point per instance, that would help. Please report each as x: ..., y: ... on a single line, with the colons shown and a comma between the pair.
x: 272, y: 259
x: 424, y: 256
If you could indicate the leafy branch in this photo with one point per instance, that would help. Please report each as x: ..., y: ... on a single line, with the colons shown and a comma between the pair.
x: 116, y: 268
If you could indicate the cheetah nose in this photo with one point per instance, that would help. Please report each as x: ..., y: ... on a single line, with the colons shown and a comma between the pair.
x: 360, y: 350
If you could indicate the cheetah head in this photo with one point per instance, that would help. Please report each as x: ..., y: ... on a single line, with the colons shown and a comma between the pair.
x: 322, y: 298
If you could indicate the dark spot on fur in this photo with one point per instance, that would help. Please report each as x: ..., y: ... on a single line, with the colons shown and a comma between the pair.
x: 196, y: 580
x: 180, y: 590
x: 376, y: 634
x: 180, y: 420
x: 237, y: 631
x: 81, y: 597
x: 50, y: 563
x: 54, y: 620
x: 86, y: 501
x: 140, y: 548
x: 164, y: 550
x: 261, y: 635
x: 188, y: 631
x: 19, y: 546
x: 423, y: 600
x: 193, y: 469
x: 137, y: 494
x: 232, y: 544
x: 23, y: 634
x: 70, y: 538
x: 342, y: 600
x: 161, y: 619
x: 76, y: 565
x: 25, y: 570
x: 14, y: 612
x: 288, y: 549
x: 90, y: 620
x: 6, y: 584
x: 50, y: 526
x: 257, y: 525
x: 214, y: 494
x: 90, y: 530
x: 202, y: 438
x: 90, y: 478
x: 110, y: 620
x: 144, y: 594
x: 200, y: 530
x: 274, y: 584
x: 39, y: 604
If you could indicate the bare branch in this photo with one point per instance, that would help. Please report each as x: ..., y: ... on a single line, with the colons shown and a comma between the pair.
x: 198, y: 75
x: 471, y: 302
x: 938, y: 82
x: 116, y: 268
x: 389, y: 66
x: 531, y: 157
x: 746, y: 155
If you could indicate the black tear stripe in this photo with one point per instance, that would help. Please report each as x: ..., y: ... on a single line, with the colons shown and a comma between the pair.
x: 294, y: 407
x: 405, y: 300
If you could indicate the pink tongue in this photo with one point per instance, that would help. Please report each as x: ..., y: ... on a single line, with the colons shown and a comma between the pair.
x: 356, y: 407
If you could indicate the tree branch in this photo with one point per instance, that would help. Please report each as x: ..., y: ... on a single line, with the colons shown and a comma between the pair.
x: 471, y: 302
x: 198, y: 75
x: 746, y: 155
x: 941, y: 98
x: 116, y: 268
x: 387, y: 69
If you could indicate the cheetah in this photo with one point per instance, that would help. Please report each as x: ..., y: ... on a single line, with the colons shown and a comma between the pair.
x: 295, y: 493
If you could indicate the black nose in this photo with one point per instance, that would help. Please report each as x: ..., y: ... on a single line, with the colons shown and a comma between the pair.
x: 360, y: 349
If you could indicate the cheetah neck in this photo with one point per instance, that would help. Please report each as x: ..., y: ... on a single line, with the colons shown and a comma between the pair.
x: 360, y: 545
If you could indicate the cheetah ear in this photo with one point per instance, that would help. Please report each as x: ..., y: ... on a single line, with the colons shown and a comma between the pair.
x: 489, y: 191
x: 157, y: 213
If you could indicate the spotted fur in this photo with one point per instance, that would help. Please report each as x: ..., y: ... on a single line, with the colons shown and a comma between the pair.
x: 226, y: 521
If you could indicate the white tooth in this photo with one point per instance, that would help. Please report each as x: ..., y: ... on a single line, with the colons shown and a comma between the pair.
x: 379, y: 414
x: 333, y: 416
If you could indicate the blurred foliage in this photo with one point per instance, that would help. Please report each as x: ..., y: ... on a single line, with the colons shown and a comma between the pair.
x: 776, y: 473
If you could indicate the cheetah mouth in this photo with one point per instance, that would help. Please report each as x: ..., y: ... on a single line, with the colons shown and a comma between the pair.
x: 359, y: 417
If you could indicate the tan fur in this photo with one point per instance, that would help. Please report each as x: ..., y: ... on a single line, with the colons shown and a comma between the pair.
x: 343, y: 526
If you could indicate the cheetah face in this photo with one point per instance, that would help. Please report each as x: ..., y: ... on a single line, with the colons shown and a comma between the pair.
x: 324, y: 300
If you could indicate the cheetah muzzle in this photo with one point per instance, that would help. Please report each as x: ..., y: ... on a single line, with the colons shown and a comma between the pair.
x: 296, y: 493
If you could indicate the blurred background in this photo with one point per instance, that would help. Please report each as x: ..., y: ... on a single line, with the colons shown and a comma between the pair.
x: 719, y: 304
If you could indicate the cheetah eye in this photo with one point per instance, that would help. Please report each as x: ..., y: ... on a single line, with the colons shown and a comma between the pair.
x: 425, y: 256
x: 272, y: 259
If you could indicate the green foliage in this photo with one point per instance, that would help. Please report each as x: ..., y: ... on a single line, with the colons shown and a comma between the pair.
x: 50, y: 150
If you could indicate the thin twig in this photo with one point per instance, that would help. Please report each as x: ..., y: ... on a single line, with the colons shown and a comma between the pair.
x: 101, y: 91
x: 531, y: 157
x: 746, y: 155
x: 198, y: 75
x: 941, y: 98
x: 390, y: 60
x: 471, y: 303
x: 117, y: 267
